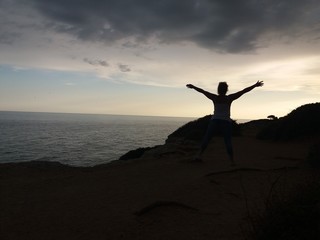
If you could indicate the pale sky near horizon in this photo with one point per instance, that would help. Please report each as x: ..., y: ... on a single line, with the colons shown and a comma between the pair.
x: 135, y: 57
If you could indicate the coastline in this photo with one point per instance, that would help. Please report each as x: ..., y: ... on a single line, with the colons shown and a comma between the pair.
x: 78, y: 140
x: 157, y: 196
x: 162, y: 194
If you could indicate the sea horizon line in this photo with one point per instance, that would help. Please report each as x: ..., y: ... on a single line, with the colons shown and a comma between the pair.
x: 115, y: 114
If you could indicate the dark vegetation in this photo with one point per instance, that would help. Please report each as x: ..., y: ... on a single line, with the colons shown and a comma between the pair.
x: 193, y: 131
x: 137, y: 153
x: 196, y: 129
x: 313, y: 157
x: 254, y: 126
x: 297, y: 216
x: 301, y: 122
x: 294, y: 217
x: 272, y: 117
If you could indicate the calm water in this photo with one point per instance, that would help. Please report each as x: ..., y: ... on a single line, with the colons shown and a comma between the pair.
x: 79, y: 139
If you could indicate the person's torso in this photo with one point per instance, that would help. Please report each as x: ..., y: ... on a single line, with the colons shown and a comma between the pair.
x: 222, y: 106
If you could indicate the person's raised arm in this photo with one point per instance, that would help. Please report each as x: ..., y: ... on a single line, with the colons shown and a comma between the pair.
x: 248, y: 89
x: 200, y: 90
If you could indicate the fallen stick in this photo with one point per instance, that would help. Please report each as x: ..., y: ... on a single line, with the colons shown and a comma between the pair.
x: 163, y: 204
x: 249, y: 169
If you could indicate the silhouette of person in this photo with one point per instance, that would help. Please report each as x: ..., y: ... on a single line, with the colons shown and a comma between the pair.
x: 221, y: 117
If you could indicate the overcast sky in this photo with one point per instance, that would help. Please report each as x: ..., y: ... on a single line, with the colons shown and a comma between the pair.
x: 136, y: 56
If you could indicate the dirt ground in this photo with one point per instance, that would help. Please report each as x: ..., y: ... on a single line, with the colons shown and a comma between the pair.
x: 159, y: 196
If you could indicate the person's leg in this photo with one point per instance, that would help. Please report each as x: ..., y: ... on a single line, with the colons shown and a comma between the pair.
x: 227, y: 133
x: 207, y: 137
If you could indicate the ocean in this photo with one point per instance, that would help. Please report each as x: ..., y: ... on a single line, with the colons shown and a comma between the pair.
x: 79, y: 139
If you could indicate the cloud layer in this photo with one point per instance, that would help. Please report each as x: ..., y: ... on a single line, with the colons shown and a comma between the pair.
x: 221, y: 25
x: 162, y: 42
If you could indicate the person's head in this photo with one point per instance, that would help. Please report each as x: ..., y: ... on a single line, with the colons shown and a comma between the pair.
x: 222, y: 88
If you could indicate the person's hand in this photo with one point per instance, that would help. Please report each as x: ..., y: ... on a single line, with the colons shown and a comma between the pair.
x: 259, y: 84
x: 190, y: 86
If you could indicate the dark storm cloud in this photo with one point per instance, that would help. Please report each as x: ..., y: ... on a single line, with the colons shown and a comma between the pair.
x: 8, y: 37
x: 222, y: 25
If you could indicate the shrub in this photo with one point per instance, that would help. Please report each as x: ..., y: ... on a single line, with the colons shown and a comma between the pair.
x: 303, y: 121
x: 196, y: 129
x: 137, y: 153
x: 313, y: 157
x: 293, y: 218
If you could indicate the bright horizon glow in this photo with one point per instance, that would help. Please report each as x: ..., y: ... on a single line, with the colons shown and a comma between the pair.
x: 49, y: 62
x: 100, y: 114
